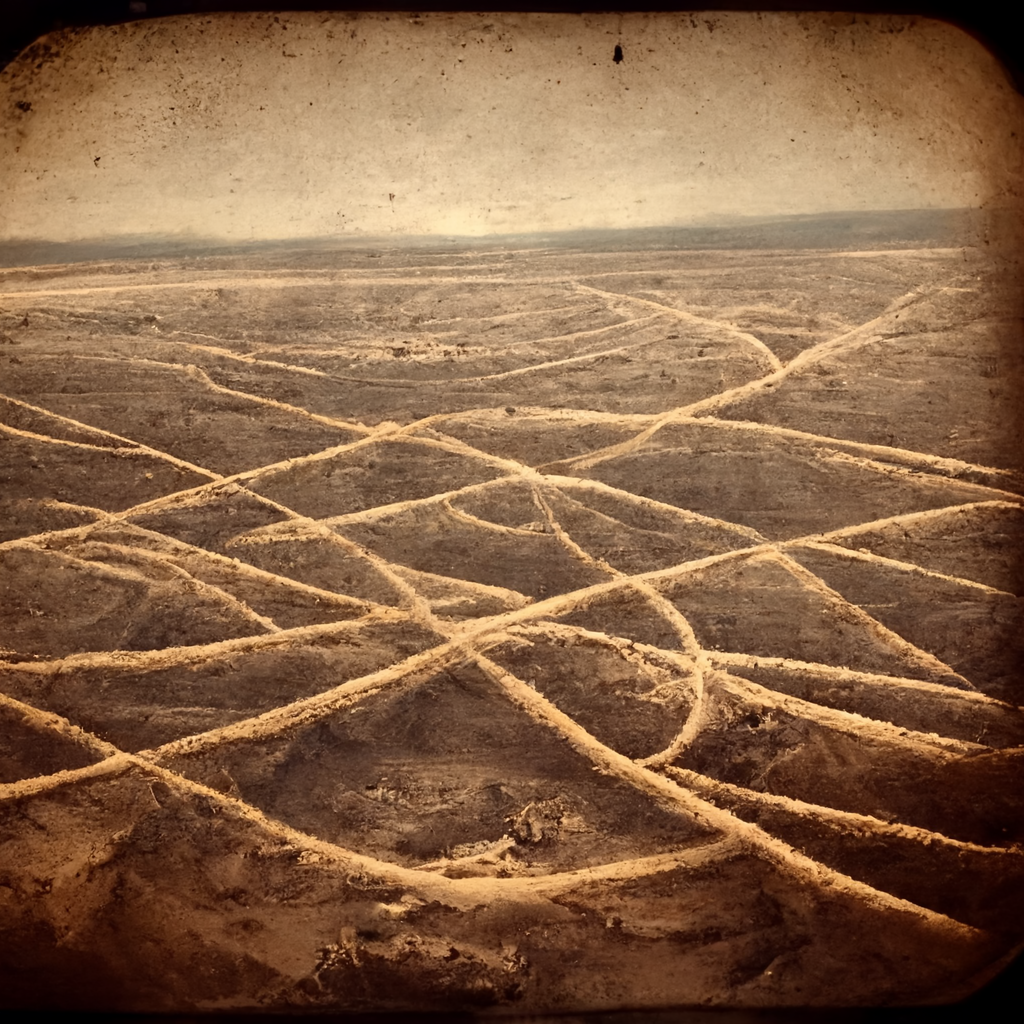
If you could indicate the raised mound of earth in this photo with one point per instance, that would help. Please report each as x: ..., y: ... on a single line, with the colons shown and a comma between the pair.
x: 544, y: 632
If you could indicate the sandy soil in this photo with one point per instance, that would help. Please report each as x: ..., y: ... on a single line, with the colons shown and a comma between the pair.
x: 539, y: 631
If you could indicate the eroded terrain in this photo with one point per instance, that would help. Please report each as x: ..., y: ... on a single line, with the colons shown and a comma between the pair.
x: 547, y: 630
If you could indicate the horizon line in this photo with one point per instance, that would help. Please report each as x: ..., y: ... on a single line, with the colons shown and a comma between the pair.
x: 825, y: 230
x: 704, y: 222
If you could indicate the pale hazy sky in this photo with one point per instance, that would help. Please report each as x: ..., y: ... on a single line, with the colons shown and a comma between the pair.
x: 245, y: 126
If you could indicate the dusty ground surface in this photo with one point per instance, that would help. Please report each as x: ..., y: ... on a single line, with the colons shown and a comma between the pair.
x: 538, y: 631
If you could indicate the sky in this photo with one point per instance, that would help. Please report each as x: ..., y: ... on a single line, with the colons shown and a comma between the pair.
x: 255, y: 126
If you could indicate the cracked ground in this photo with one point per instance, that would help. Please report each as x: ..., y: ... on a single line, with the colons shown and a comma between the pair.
x: 540, y: 630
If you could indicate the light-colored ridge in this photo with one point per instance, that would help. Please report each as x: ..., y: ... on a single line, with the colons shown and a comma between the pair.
x: 852, y: 819
x: 50, y: 721
x: 688, y: 317
x: 910, y: 567
x: 196, y: 654
x: 673, y: 797
x: 923, y: 659
x: 848, y: 722
x: 128, y: 446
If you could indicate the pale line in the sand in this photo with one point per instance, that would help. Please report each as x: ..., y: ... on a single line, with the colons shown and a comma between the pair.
x: 175, y: 500
x: 931, y: 254
x: 684, y: 518
x: 525, y: 412
x: 863, y: 334
x: 310, y: 709
x: 574, y: 549
x: 849, y: 338
x: 199, y: 374
x: 762, y: 544
x: 849, y: 723
x: 726, y: 659
x: 316, y: 527
x: 116, y: 570
x: 603, y: 516
x: 687, y: 317
x: 99, y: 433
x: 417, y: 605
x: 476, y: 523
x: 56, y: 724
x: 40, y: 784
x: 833, y: 816
x: 573, y: 483
x: 466, y: 894
x: 871, y: 558
x: 563, y: 491
x: 99, y: 516
x: 918, y: 517
x: 533, y: 367
x: 241, y: 357
x: 482, y: 589
x: 923, y: 659
x: 129, y: 449
x: 673, y: 797
x: 393, y: 508
x: 902, y: 457
x: 457, y: 447
x: 561, y: 603
x: 275, y: 467
x: 174, y: 549
x: 191, y: 581
x: 944, y: 469
x: 167, y: 657
x: 41, y: 540
x: 388, y: 433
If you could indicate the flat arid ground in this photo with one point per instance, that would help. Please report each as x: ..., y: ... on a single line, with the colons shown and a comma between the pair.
x: 538, y: 630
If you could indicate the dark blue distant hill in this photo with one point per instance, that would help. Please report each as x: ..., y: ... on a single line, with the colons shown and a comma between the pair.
x: 871, y: 229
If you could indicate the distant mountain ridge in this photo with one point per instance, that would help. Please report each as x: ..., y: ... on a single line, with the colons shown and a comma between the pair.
x: 838, y: 231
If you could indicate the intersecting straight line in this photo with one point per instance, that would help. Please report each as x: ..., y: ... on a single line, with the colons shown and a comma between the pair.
x: 520, y: 469
x: 776, y: 850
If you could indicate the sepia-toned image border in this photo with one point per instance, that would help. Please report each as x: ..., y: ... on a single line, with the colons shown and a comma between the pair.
x: 33, y: 244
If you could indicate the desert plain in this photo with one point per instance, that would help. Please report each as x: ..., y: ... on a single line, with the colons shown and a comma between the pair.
x: 520, y: 629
